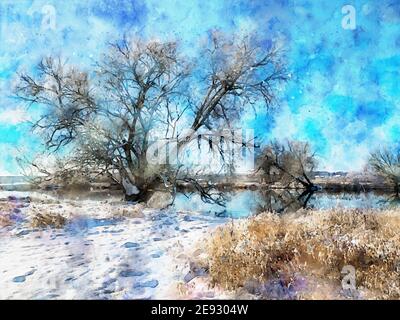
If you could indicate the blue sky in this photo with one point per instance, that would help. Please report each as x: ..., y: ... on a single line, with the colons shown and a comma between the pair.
x: 344, y: 91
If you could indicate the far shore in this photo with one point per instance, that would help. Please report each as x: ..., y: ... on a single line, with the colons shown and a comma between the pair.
x: 324, y: 185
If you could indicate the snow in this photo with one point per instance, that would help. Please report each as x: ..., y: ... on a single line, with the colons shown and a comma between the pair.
x: 101, y: 255
x: 130, y: 189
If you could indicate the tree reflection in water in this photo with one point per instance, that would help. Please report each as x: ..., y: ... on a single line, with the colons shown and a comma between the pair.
x: 244, y: 203
x: 283, y: 201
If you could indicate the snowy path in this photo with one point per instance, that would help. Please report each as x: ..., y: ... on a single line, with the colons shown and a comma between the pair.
x: 97, y: 257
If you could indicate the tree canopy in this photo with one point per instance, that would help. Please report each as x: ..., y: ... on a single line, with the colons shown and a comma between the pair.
x: 144, y: 90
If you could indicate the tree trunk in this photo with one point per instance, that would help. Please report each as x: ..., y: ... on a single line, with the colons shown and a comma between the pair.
x: 142, y: 196
x: 138, y: 191
x: 134, y: 190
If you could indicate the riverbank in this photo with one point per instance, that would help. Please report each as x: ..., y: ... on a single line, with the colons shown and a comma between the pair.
x: 317, y: 254
x: 53, y: 248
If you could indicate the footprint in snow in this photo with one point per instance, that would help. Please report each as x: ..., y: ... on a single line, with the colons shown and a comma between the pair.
x: 131, y: 273
x: 130, y: 245
x: 147, y: 284
x: 20, y: 279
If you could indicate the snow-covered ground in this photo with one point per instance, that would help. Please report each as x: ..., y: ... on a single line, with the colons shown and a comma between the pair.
x: 101, y: 255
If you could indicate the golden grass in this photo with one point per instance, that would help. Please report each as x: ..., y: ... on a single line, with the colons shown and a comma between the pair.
x: 47, y: 219
x: 5, y: 221
x: 129, y: 211
x: 5, y: 210
x: 315, y: 244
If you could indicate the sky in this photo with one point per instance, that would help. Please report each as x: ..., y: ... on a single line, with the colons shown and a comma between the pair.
x: 344, y: 89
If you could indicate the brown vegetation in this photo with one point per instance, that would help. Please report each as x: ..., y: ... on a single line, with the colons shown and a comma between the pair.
x: 5, y: 210
x: 315, y: 245
x: 47, y: 219
x: 130, y: 211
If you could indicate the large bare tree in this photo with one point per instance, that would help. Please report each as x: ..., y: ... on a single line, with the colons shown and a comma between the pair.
x: 106, y: 120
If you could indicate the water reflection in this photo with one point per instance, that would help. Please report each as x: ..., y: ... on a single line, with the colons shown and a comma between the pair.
x: 283, y: 200
x: 247, y: 202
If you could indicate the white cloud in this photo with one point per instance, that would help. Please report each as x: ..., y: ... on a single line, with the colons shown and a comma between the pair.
x: 13, y: 116
x: 4, y: 172
x: 5, y: 167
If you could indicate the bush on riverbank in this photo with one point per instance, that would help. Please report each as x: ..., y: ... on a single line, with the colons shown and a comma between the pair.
x: 315, y: 244
x: 44, y: 219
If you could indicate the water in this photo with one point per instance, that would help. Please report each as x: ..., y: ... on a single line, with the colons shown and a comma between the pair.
x: 247, y: 202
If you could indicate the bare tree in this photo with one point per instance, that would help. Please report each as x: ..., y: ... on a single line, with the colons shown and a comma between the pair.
x: 386, y: 164
x: 105, y: 121
x: 109, y: 121
x: 290, y: 162
x: 237, y: 73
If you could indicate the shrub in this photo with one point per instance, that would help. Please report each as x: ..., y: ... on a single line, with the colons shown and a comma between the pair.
x: 47, y: 219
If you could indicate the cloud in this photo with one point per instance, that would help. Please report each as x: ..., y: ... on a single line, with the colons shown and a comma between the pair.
x: 7, y: 154
x: 343, y: 95
x: 14, y: 116
x: 4, y: 172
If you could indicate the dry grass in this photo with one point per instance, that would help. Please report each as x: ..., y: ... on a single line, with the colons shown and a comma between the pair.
x: 129, y: 211
x: 5, y: 220
x: 314, y: 244
x: 5, y: 210
x: 46, y: 219
x: 10, y: 213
